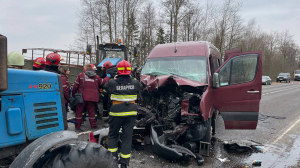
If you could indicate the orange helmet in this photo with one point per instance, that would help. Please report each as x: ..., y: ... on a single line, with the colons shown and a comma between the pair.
x: 107, y: 65
x: 124, y: 68
x: 39, y: 62
x: 52, y: 59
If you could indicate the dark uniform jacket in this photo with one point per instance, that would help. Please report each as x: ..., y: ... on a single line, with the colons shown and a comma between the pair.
x: 66, y: 87
x: 91, y: 85
x: 52, y: 68
x: 123, y: 92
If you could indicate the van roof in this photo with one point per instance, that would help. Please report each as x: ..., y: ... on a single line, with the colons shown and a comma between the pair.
x: 191, y: 48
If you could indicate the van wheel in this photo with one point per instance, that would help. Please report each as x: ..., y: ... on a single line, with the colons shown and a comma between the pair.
x: 78, y: 154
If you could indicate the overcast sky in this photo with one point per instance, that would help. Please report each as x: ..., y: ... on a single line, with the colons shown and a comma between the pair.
x: 53, y: 23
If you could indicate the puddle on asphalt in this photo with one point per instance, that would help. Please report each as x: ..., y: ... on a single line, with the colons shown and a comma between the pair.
x: 275, y: 156
x: 278, y: 156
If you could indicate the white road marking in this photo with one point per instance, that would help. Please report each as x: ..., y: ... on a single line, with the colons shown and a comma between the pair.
x: 82, y: 133
x: 280, y: 90
x: 286, y: 131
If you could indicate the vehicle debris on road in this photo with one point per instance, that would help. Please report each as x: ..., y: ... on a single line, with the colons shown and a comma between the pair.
x: 256, y: 163
x: 243, y: 145
x: 224, y: 159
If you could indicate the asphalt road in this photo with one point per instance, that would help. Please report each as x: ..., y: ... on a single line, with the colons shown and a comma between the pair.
x: 278, y: 131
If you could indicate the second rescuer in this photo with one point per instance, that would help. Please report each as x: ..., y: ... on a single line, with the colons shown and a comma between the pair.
x: 123, y: 92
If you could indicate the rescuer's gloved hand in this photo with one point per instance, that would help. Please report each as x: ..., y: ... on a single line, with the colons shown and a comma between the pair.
x: 108, y: 75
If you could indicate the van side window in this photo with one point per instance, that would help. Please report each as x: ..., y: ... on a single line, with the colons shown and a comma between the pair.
x: 243, y: 69
x: 224, y: 74
x: 238, y: 70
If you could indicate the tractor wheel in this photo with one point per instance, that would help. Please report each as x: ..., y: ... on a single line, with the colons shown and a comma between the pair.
x: 77, y: 154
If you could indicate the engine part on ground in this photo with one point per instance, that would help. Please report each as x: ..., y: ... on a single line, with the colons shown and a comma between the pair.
x: 204, y: 148
x: 37, y: 148
x: 79, y: 154
x: 200, y: 159
x: 173, y: 152
x: 196, y: 131
x: 137, y: 141
x: 192, y: 146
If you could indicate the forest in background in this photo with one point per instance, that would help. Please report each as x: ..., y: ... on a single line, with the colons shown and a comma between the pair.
x: 146, y: 23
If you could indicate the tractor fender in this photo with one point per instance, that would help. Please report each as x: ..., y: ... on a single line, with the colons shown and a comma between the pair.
x: 37, y: 148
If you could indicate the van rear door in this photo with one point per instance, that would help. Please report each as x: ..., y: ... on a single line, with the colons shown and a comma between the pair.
x: 239, y: 93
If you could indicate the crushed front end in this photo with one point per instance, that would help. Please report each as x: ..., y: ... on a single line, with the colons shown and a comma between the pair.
x: 169, y: 106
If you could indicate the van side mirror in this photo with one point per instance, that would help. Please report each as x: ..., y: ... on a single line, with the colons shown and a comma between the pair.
x: 135, y: 53
x: 3, y: 63
x: 216, y: 80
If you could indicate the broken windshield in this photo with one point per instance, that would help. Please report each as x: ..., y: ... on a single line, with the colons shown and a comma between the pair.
x: 193, y: 68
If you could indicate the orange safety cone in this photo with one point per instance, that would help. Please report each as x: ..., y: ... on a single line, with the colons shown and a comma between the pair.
x: 291, y: 82
x: 299, y: 83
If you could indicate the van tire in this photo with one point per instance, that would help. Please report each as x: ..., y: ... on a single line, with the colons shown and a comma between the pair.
x: 79, y: 154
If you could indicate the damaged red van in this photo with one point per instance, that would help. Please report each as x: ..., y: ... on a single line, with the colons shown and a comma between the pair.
x: 185, y: 88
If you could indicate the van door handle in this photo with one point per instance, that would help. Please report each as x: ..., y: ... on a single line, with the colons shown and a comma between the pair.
x: 251, y: 92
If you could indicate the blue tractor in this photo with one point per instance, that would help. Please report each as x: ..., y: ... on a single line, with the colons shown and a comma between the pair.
x: 113, y: 52
x: 31, y: 105
x: 33, y: 122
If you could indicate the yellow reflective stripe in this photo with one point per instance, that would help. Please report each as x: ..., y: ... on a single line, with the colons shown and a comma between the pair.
x: 125, y: 156
x: 113, y: 149
x: 123, y: 68
x: 38, y: 63
x: 113, y: 96
x: 123, y: 113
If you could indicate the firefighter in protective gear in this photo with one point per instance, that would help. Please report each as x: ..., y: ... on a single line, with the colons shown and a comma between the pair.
x: 88, y: 84
x: 104, y: 94
x: 39, y: 63
x: 15, y: 60
x: 52, y: 62
x: 123, y: 92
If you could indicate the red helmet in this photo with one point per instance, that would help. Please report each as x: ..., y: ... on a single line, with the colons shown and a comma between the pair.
x: 52, y: 59
x: 124, y: 68
x: 107, y: 65
x: 93, y: 67
x: 39, y: 62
